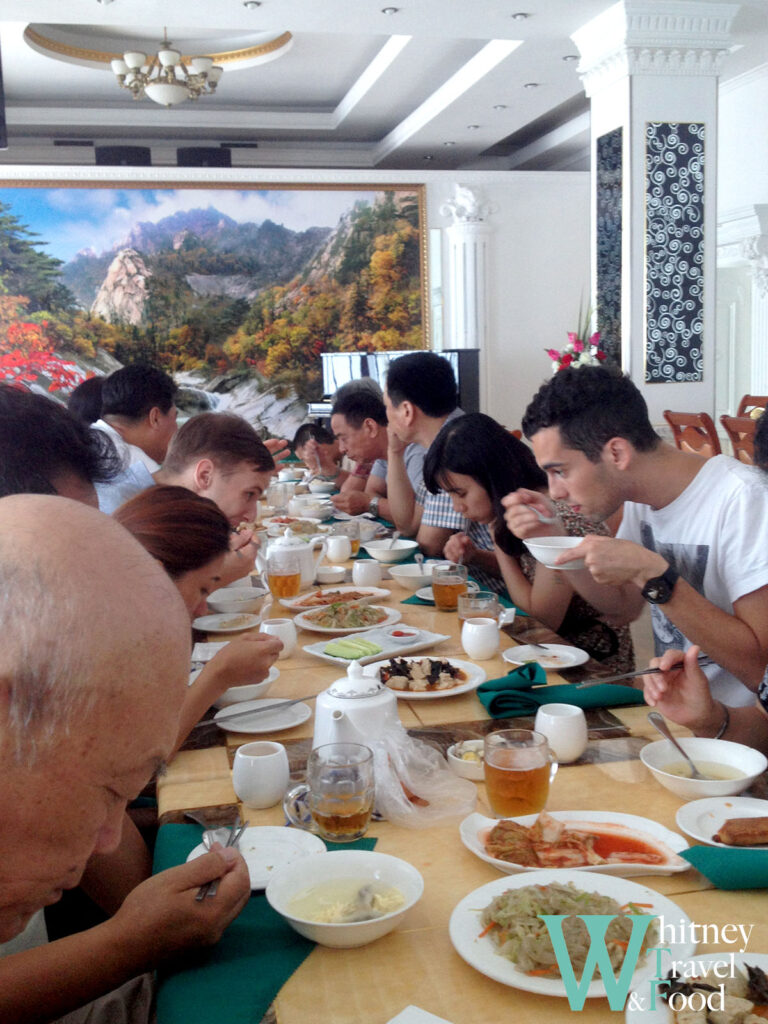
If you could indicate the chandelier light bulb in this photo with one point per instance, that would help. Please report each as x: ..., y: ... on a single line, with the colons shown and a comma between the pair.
x: 165, y: 78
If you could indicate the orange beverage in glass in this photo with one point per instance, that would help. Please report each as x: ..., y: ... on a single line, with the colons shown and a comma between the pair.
x: 355, y: 544
x: 284, y: 584
x: 449, y: 582
x: 518, y: 771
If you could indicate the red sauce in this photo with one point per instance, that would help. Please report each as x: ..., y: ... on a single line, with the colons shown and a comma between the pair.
x: 609, y: 842
x: 402, y: 632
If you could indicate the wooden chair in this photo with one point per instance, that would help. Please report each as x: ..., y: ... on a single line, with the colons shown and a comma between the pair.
x: 750, y: 402
x: 516, y: 433
x: 741, y: 433
x: 694, y: 432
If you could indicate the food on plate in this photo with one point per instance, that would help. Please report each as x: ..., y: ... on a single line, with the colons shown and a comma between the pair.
x: 513, y: 924
x: 469, y: 750
x: 321, y: 598
x: 404, y: 634
x: 745, y: 996
x: 556, y: 844
x: 420, y: 674
x: 713, y: 769
x: 341, y: 615
x: 235, y: 622
x: 352, y: 647
x: 743, y: 832
x: 343, y: 900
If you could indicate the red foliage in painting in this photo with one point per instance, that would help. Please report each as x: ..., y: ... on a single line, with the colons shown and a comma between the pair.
x: 27, y: 353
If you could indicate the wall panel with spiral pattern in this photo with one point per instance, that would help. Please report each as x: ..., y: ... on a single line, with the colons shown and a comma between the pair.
x: 609, y: 227
x: 674, y: 251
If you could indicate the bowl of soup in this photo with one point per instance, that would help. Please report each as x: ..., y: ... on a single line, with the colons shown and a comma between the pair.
x: 732, y: 767
x: 348, y: 898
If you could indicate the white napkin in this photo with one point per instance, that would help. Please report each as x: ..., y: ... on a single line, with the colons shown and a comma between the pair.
x: 415, y: 1015
x: 206, y: 651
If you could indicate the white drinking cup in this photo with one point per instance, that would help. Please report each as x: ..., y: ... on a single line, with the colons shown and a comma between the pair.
x: 366, y: 573
x: 565, y: 727
x: 283, y: 629
x: 480, y: 638
x: 338, y: 548
x: 260, y: 773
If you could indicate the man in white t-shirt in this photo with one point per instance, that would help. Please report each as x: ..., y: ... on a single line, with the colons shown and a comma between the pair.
x: 138, y: 413
x: 693, y: 541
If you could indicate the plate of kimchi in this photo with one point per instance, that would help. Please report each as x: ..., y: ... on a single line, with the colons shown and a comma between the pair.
x: 605, y: 841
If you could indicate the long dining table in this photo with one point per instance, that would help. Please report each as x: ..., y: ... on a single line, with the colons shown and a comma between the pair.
x: 416, y: 964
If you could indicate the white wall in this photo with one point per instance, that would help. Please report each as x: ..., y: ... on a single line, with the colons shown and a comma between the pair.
x: 743, y: 141
x: 539, y: 254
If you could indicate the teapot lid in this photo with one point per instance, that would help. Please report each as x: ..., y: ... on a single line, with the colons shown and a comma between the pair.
x: 290, y: 540
x: 355, y: 684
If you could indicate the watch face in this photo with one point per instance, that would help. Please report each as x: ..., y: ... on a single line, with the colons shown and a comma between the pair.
x: 657, y: 591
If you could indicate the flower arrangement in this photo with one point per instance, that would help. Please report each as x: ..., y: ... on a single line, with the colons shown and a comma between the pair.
x: 578, y: 352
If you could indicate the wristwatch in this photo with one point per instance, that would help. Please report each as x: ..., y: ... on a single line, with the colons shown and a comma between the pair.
x: 373, y: 505
x: 658, y: 589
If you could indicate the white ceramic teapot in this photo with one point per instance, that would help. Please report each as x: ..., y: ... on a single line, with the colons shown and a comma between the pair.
x: 305, y: 551
x: 355, y: 709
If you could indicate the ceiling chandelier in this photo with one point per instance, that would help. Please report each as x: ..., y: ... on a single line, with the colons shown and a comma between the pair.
x: 166, y: 78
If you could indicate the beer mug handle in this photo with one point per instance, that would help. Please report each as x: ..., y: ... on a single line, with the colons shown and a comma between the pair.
x: 472, y: 586
x: 553, y: 766
x: 296, y: 810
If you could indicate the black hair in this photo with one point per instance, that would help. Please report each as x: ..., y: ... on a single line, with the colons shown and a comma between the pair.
x: 85, y: 401
x: 426, y: 380
x: 358, y: 405
x: 590, y: 405
x: 761, y: 442
x: 477, y: 446
x: 41, y: 440
x: 312, y: 432
x: 136, y: 389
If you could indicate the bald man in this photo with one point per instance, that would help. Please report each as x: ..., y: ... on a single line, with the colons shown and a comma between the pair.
x: 93, y: 667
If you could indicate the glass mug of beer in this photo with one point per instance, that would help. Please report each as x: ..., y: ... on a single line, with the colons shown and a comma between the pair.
x: 336, y: 801
x: 449, y: 582
x: 519, y: 768
x: 283, y: 572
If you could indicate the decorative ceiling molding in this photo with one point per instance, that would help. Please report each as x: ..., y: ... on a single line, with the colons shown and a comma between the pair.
x: 742, y: 237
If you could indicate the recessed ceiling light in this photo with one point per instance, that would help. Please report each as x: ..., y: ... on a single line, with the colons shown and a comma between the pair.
x: 531, y: 85
x: 103, y: 2
x: 429, y: 157
x: 472, y: 127
x: 449, y: 143
x: 569, y: 57
x: 389, y: 10
x: 519, y: 16
x: 251, y: 4
x: 499, y: 106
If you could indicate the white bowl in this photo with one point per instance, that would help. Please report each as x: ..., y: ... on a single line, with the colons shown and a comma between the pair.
x: 474, y: 770
x: 330, y: 574
x: 323, y: 486
x: 546, y: 550
x: 655, y: 756
x: 412, y: 577
x: 237, y: 599
x: 368, y: 529
x: 287, y: 475
x: 387, y: 552
x: 250, y: 691
x: 366, y: 866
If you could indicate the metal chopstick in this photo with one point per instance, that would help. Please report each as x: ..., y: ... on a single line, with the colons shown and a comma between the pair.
x: 703, y: 659
x: 255, y: 711
x: 211, y: 888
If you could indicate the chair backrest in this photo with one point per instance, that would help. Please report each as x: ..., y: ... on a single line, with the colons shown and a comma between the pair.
x: 516, y: 433
x: 693, y: 432
x: 741, y: 433
x: 750, y: 402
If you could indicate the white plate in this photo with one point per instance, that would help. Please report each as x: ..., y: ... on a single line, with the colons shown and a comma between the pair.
x: 560, y: 656
x: 265, y: 721
x: 393, y: 615
x: 639, y: 1003
x: 218, y: 623
x: 700, y: 819
x: 474, y: 828
x: 269, y: 847
x: 371, y: 594
x: 389, y: 649
x: 481, y: 954
x: 425, y: 593
x: 476, y: 675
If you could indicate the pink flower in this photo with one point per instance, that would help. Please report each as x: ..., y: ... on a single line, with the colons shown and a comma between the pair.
x: 578, y: 345
x: 566, y: 360
x: 595, y: 339
x: 553, y: 353
x: 600, y: 355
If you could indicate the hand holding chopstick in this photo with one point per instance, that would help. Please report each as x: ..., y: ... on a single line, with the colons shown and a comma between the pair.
x: 211, y: 888
x: 703, y: 660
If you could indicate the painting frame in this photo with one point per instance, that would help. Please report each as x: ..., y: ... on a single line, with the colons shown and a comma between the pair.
x: 246, y: 183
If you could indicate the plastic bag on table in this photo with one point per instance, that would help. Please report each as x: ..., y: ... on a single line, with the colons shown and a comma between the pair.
x: 414, y: 785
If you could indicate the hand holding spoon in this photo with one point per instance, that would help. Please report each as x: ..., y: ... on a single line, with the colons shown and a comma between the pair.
x: 658, y: 722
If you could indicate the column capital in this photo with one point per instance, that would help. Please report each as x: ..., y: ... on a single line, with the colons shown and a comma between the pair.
x: 742, y: 237
x: 654, y: 37
x: 467, y: 206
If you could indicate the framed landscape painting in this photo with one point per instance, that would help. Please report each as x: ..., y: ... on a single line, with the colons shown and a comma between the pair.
x: 234, y: 289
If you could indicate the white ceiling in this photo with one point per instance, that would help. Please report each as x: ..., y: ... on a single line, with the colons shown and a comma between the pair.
x: 439, y: 84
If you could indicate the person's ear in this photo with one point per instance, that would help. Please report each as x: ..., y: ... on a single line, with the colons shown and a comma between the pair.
x: 408, y: 411
x: 203, y: 475
x: 619, y: 453
x: 153, y: 417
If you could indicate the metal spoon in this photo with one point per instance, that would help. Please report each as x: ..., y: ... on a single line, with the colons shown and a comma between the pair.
x: 419, y: 560
x: 658, y: 722
x: 395, y: 538
x: 549, y: 520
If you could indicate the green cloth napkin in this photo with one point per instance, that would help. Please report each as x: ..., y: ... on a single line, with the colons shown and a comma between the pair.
x: 525, y: 689
x: 729, y: 868
x: 503, y: 601
x: 237, y: 979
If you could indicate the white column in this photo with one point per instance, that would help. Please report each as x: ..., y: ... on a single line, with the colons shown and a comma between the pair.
x: 650, y: 68
x: 468, y: 247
